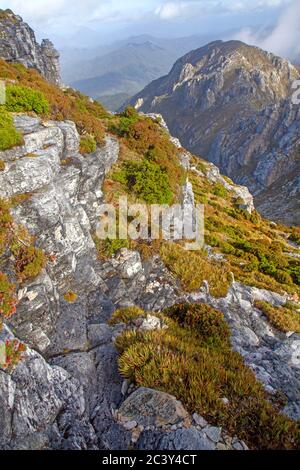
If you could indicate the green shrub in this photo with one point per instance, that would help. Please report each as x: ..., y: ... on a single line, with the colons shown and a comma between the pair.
x: 220, y: 190
x: 147, y: 180
x: 22, y: 99
x: 9, y: 136
x: 208, y: 322
x: 88, y: 144
x: 125, y: 315
x: 125, y: 122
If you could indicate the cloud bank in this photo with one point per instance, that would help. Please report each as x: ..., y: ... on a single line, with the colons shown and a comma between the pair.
x: 283, y: 40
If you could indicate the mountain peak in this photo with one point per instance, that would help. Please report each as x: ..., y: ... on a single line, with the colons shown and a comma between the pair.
x: 18, y: 44
x: 231, y: 104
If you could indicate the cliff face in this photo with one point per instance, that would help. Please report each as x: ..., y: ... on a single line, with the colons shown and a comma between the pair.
x: 18, y: 44
x: 231, y: 104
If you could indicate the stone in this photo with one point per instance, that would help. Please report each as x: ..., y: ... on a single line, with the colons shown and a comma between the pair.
x: 186, y: 439
x: 130, y: 425
x: 150, y: 407
x: 213, y: 433
x: 199, y: 420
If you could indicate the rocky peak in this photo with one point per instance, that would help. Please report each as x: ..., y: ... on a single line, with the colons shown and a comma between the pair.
x: 18, y: 44
x: 231, y: 104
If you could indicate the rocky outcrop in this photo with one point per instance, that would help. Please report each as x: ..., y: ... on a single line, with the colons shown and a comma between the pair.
x: 67, y: 392
x: 18, y: 44
x: 232, y: 104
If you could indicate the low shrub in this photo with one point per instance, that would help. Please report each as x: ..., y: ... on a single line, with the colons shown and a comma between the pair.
x: 286, y: 318
x: 194, y: 267
x: 22, y: 99
x: 109, y: 247
x: 88, y: 144
x: 147, y: 180
x: 125, y: 315
x: 29, y: 261
x: 193, y: 360
x: 9, y: 136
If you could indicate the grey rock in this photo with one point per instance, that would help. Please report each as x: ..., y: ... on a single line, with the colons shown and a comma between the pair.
x: 150, y: 407
x: 18, y: 44
x: 213, y: 433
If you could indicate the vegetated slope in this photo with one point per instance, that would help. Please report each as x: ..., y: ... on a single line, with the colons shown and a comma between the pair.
x: 58, y: 300
x: 232, y: 104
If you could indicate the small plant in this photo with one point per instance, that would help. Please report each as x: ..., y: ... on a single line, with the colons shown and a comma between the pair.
x: 14, y: 354
x: 125, y: 315
x: 220, y: 190
x: 108, y: 248
x: 286, y: 318
x: 29, y: 261
x: 70, y: 297
x: 9, y: 136
x: 88, y: 144
x: 194, y: 267
x: 8, y: 300
x: 23, y: 99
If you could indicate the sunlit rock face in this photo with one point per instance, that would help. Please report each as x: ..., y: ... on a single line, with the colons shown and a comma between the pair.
x: 18, y: 44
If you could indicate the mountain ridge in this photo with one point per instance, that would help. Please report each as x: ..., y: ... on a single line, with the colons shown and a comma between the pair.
x: 221, y: 101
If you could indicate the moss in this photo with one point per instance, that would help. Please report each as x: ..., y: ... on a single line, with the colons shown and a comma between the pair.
x: 125, y: 315
x: 286, y: 318
x: 88, y: 144
x: 23, y: 99
x: 70, y: 297
x: 193, y: 360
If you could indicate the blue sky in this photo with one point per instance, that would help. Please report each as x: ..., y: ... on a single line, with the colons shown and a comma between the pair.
x: 112, y: 19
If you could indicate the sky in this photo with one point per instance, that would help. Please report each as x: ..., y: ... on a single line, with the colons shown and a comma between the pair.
x: 86, y: 22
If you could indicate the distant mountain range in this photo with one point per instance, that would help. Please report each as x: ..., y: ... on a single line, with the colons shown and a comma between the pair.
x: 232, y: 104
x: 116, y: 72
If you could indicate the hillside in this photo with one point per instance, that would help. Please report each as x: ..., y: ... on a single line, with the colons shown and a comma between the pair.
x: 231, y: 104
x: 121, y: 344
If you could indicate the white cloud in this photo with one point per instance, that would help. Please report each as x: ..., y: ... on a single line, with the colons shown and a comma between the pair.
x: 170, y: 10
x: 188, y: 8
x: 283, y: 40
